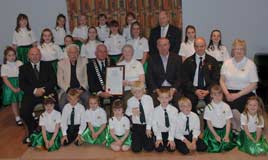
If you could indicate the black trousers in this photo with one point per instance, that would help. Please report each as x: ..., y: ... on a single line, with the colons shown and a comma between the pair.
x: 182, y: 148
x: 27, y: 107
x: 161, y: 147
x: 72, y: 133
x: 140, y: 140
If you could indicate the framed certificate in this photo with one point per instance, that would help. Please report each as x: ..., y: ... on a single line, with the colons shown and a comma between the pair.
x: 114, y: 80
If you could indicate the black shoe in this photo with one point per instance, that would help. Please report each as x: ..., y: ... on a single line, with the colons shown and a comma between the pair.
x: 19, y: 122
x: 26, y: 140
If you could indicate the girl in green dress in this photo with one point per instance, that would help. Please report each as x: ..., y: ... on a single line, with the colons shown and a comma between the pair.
x: 12, y: 95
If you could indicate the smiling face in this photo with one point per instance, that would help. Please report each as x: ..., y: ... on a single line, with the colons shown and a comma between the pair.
x: 135, y: 30
x: 93, y: 103
x: 200, y: 46
x: 23, y: 23
x: 34, y: 55
x: 47, y: 36
x: 49, y: 107
x: 61, y: 22
x: 163, y: 19
x: 216, y: 37
x: 191, y: 34
x: 101, y: 52
x: 118, y: 112
x: 252, y: 107
x: 185, y: 108
x: 163, y: 46
x: 10, y: 56
x: 82, y: 20
x: 92, y: 33
x: 127, y: 53
x: 164, y: 99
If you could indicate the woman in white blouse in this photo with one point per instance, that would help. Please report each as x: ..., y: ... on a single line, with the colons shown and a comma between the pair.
x: 238, y: 79
x: 187, y: 46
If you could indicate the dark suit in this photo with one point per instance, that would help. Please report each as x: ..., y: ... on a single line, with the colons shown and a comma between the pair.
x: 211, y: 76
x: 173, y: 35
x: 156, y: 75
x: 28, y: 82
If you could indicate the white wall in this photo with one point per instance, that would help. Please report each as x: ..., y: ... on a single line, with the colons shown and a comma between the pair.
x: 246, y: 19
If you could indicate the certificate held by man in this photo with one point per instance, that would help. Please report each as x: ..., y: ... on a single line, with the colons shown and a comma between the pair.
x: 114, y: 80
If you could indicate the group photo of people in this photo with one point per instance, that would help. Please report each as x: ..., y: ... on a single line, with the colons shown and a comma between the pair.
x: 180, y: 92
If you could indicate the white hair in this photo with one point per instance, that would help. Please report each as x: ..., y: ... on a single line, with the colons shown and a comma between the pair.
x: 73, y: 46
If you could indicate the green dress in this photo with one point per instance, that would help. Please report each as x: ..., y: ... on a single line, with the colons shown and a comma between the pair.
x: 9, y: 96
x: 213, y: 145
x: 22, y: 53
x: 87, y: 136
x: 247, y: 145
x: 110, y: 139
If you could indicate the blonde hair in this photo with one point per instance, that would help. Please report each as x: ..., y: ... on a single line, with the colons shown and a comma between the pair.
x: 137, y: 85
x: 124, y: 47
x: 184, y: 100
x: 73, y: 93
x: 260, y: 119
x: 240, y: 42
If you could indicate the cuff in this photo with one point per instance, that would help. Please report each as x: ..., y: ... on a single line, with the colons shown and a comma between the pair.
x: 158, y: 137
x: 98, y: 93
x: 171, y: 138
x: 34, y: 91
x: 80, y: 132
x: 148, y: 127
x: 64, y: 133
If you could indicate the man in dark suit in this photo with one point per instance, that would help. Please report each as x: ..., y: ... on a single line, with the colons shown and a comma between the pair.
x: 200, y: 71
x: 96, y: 69
x: 36, y: 81
x: 164, y: 71
x: 164, y: 29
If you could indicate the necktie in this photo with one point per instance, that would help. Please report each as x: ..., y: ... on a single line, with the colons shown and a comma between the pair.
x: 142, y: 115
x: 102, y: 67
x: 187, y: 128
x: 36, y: 72
x: 72, y: 118
x: 166, y: 118
x: 200, y: 75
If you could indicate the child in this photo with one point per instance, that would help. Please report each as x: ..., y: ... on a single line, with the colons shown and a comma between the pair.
x: 188, y: 129
x: 187, y: 46
x: 68, y: 39
x: 215, y: 47
x: 251, y: 139
x: 50, y: 51
x: 72, y: 124
x: 96, y: 120
x: 60, y: 30
x: 50, y: 137
x: 140, y: 108
x: 80, y: 33
x: 164, y: 119
x: 118, y: 137
x: 103, y: 30
x: 88, y: 49
x: 115, y: 41
x: 130, y: 18
x: 218, y: 135
x: 23, y: 37
x: 12, y: 95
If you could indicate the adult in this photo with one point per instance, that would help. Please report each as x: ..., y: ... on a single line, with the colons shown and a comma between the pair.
x: 36, y: 81
x: 165, y: 30
x: 164, y: 71
x: 200, y: 71
x: 72, y: 73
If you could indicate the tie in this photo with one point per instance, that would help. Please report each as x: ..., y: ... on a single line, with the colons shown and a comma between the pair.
x: 102, y: 67
x: 187, y: 128
x: 36, y: 72
x: 142, y: 115
x: 200, y: 75
x: 166, y: 118
x: 72, y: 118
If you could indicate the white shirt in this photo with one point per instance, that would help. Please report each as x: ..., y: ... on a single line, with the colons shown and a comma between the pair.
x: 50, y: 120
x: 148, y: 107
x: 218, y: 114
x: 133, y: 70
x: 115, y: 44
x: 50, y: 52
x: 11, y: 69
x: 159, y: 121
x: 103, y: 32
x: 120, y: 126
x: 140, y: 46
x: 164, y: 30
x: 238, y: 75
x: 81, y: 32
x: 251, y: 122
x: 59, y: 33
x: 23, y: 37
x: 126, y: 32
x: 96, y: 117
x: 220, y: 55
x: 79, y: 112
x: 187, y: 49
x: 197, y: 61
x: 194, y: 125
x: 37, y: 66
x: 88, y: 50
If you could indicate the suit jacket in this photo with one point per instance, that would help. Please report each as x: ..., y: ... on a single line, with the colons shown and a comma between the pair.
x: 173, y: 35
x: 28, y: 81
x: 64, y: 73
x: 93, y: 69
x: 211, y: 72
x: 156, y: 74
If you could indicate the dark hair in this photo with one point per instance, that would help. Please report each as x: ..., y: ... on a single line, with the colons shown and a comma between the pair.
x: 6, y: 51
x: 92, y: 27
x: 130, y: 14
x: 69, y: 36
x: 102, y: 15
x: 114, y: 23
x: 49, y: 99
x: 136, y: 23
x: 20, y: 17
x: 117, y: 104
x: 58, y: 17
x: 42, y: 34
x: 210, y: 45
x: 188, y: 27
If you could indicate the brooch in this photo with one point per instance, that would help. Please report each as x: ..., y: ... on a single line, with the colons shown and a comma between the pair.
x: 98, y: 117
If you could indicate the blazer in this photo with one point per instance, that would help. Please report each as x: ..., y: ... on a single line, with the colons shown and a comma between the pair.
x: 28, y: 81
x: 211, y: 72
x: 64, y: 73
x: 156, y: 74
x: 173, y: 35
